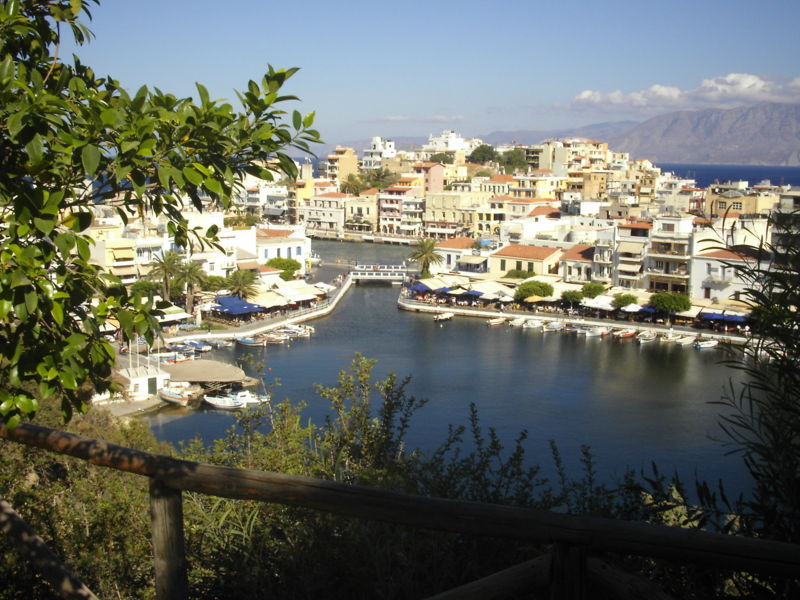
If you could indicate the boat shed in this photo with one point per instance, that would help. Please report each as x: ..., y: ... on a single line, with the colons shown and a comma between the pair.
x: 204, y: 371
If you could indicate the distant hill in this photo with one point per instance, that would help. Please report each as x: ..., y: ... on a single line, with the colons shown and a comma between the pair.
x: 598, y: 131
x: 763, y: 134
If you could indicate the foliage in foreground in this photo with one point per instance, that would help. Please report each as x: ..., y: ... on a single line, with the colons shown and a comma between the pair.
x: 97, y: 519
x: 149, y: 152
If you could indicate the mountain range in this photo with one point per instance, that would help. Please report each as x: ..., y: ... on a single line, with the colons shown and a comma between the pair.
x: 762, y: 134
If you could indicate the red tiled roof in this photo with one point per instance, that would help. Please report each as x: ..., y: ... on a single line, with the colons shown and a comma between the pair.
x: 333, y: 195
x: 457, y: 243
x: 726, y: 254
x: 635, y: 225
x: 502, y: 199
x: 529, y: 252
x: 275, y: 232
x: 266, y: 269
x: 546, y: 211
x: 501, y: 179
x: 582, y: 252
x: 370, y: 191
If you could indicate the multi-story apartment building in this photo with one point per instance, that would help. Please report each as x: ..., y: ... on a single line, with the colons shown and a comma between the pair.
x: 324, y: 212
x: 432, y: 176
x: 668, y: 257
x: 577, y: 263
x: 361, y: 212
x: 401, y: 210
x: 539, y: 184
x: 750, y: 201
x: 631, y: 243
x: 339, y: 164
x: 379, y: 150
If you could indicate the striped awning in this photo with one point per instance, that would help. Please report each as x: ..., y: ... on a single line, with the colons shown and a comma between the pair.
x: 630, y: 247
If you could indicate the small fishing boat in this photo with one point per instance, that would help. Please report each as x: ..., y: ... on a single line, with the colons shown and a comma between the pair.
x: 224, y: 402
x: 702, y: 344
x: 553, y: 326
x: 572, y: 328
x: 597, y: 330
x: 518, y: 322
x: 250, y: 341
x: 445, y: 316
x: 646, y: 336
x: 220, y: 344
x: 496, y: 321
x: 670, y: 337
x: 685, y: 340
x: 275, y: 338
x: 174, y: 395
x: 622, y: 334
x: 199, y: 345
x: 532, y: 324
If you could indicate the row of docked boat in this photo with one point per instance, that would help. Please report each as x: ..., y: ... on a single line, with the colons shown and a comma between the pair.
x: 277, y: 336
x: 235, y: 400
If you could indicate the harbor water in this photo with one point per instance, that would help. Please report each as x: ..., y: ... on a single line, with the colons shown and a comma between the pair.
x: 632, y: 404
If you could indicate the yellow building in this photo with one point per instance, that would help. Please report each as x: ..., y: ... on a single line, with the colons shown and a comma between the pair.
x: 536, y: 260
x: 748, y: 202
x: 340, y: 164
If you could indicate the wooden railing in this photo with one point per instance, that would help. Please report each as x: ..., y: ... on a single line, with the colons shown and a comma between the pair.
x: 573, y: 537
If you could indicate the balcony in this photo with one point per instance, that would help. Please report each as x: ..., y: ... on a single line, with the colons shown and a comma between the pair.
x: 677, y: 274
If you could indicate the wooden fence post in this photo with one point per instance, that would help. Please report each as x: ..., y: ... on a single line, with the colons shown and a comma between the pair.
x: 568, y: 572
x: 166, y: 512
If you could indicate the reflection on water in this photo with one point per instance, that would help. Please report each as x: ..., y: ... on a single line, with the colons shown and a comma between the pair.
x: 632, y: 403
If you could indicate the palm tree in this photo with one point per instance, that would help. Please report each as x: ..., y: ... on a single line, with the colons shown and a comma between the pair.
x: 190, y: 275
x: 425, y: 254
x: 352, y: 185
x: 242, y: 283
x: 163, y: 268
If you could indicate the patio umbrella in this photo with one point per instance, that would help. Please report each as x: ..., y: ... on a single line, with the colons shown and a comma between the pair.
x: 632, y: 308
x: 534, y: 298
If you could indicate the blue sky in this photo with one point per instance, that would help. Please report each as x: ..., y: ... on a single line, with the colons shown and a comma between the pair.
x: 414, y: 68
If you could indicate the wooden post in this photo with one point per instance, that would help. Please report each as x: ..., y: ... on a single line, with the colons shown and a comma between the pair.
x: 568, y: 572
x: 166, y: 512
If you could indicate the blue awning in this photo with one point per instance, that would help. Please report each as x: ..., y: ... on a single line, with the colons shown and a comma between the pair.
x: 712, y: 316
x: 234, y: 305
x: 735, y: 318
x: 473, y: 293
x: 647, y: 309
x: 419, y: 287
x: 442, y: 290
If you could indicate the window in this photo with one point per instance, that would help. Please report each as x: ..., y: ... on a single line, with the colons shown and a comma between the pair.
x: 660, y: 265
x: 502, y: 264
x: 668, y: 227
x: 266, y: 253
x: 530, y: 267
x: 723, y: 205
x: 706, y: 292
x: 519, y: 265
x: 297, y: 251
x: 736, y: 206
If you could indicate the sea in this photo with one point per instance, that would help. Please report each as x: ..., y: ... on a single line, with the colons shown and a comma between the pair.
x: 633, y: 405
x: 706, y: 175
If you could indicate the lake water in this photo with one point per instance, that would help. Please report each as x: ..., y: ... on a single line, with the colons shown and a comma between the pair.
x: 631, y: 403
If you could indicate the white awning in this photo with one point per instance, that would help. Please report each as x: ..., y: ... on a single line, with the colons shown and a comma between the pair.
x: 469, y: 259
x: 691, y: 313
x: 631, y: 248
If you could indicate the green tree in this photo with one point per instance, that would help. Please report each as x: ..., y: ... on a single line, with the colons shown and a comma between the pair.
x: 513, y: 161
x: 289, y: 266
x: 533, y: 288
x: 242, y: 283
x: 144, y: 287
x: 61, y: 125
x: 483, y: 154
x: 442, y: 157
x: 214, y: 283
x: 190, y: 276
x: 425, y: 254
x: 165, y: 268
x: 592, y: 289
x: 670, y: 304
x: 572, y: 296
x: 621, y: 300
x: 378, y: 178
x: 352, y: 185
x: 517, y: 274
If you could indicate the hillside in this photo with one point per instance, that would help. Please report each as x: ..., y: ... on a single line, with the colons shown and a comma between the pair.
x: 764, y: 134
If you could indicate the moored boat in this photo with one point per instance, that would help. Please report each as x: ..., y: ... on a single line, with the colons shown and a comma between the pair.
x: 224, y: 402
x: 496, y: 321
x: 646, y: 336
x: 518, y: 322
x: 174, y: 395
x: 532, y: 324
x: 670, y: 337
x: 623, y: 333
x: 685, y: 340
x: 249, y: 341
x: 553, y: 326
x: 597, y: 330
x: 199, y: 345
x: 701, y: 344
x: 275, y: 338
x: 445, y: 316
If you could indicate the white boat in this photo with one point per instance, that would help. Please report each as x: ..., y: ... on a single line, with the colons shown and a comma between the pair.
x: 598, y: 330
x: 249, y: 341
x: 623, y: 333
x: 553, y: 326
x: 275, y: 338
x: 518, y: 322
x: 445, y: 316
x: 670, y: 337
x: 532, y: 324
x: 701, y: 344
x: 646, y: 336
x: 685, y: 340
x: 224, y: 402
x: 496, y: 321
x: 174, y: 395
x: 199, y: 345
